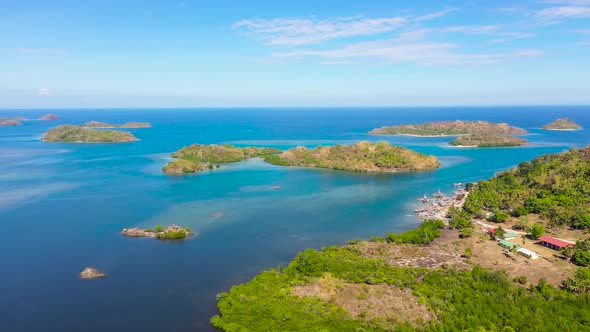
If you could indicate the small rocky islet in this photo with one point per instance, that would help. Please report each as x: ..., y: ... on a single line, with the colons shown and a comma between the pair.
x: 562, y: 124
x: 488, y: 140
x: 92, y: 273
x: 9, y: 123
x: 169, y: 233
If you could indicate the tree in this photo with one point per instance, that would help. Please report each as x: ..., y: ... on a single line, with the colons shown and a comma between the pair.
x: 158, y: 228
x: 580, y: 283
x: 499, y: 233
x: 500, y: 216
x: 537, y: 230
x: 582, y: 257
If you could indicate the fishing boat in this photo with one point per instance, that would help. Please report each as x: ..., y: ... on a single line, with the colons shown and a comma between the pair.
x: 438, y: 194
x: 457, y: 184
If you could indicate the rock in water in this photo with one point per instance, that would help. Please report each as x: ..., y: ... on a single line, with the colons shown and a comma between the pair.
x: 91, y: 273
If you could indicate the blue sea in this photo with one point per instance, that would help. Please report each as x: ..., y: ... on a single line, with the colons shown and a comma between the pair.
x: 63, y: 206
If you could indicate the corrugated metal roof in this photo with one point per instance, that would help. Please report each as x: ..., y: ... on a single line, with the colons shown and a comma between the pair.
x: 507, y: 244
x: 555, y: 241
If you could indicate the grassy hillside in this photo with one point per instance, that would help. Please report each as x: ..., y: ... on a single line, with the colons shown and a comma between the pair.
x: 360, y: 157
x: 77, y: 134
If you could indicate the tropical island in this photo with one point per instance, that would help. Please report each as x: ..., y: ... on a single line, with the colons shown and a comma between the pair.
x: 49, y: 117
x: 169, y: 233
x: 78, y: 134
x: 198, y: 157
x: 98, y: 124
x: 562, y: 124
x: 449, y: 128
x: 360, y: 157
x: 9, y: 123
x: 464, y: 275
x: 487, y: 140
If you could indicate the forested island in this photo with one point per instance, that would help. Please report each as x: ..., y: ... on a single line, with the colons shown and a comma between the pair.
x: 449, y: 128
x: 488, y: 140
x: 9, y: 122
x: 198, y: 157
x: 98, y: 124
x: 78, y: 134
x: 562, y: 124
x: 438, y: 277
x: 361, y: 157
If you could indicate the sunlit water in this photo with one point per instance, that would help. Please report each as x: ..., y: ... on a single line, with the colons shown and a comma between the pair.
x: 62, y: 206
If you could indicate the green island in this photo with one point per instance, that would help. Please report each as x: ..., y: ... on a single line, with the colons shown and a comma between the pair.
x: 169, y: 233
x: 562, y: 124
x: 78, y: 134
x: 98, y: 124
x: 9, y: 122
x: 198, y: 157
x: 488, y: 140
x: 449, y: 128
x: 441, y: 277
x: 360, y: 157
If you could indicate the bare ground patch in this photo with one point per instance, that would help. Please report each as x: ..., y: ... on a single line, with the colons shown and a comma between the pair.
x: 447, y: 250
x: 381, y: 304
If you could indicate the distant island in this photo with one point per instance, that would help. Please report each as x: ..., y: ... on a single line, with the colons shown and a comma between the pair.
x: 49, y: 117
x: 9, y: 123
x: 197, y: 157
x: 361, y: 157
x: 562, y: 124
x: 78, y: 134
x: 98, y: 124
x: 449, y: 128
x: 488, y: 140
x: 169, y: 233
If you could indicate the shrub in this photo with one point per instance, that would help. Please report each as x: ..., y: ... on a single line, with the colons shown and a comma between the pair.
x: 537, y: 230
x: 468, y: 253
x: 158, y: 228
x: 466, y: 232
x: 500, y: 216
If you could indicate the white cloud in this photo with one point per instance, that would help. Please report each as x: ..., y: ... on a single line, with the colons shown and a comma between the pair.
x: 394, y: 51
x: 299, y: 31
x: 307, y: 31
x: 557, y: 14
x: 45, y: 92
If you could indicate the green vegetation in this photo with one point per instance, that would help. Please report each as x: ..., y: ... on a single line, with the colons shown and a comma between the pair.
x: 158, y: 228
x: 77, y: 134
x: 555, y: 186
x: 360, y: 157
x: 450, y: 128
x: 170, y: 234
x: 424, y: 234
x: 98, y: 124
x: 580, y: 283
x: 562, y: 124
x: 472, y: 300
x: 197, y: 157
x: 488, y: 140
x: 537, y: 231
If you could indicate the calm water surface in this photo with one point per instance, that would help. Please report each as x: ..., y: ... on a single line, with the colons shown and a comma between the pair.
x: 62, y: 206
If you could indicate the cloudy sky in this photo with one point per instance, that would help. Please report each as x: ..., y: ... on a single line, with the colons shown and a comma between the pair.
x: 293, y: 53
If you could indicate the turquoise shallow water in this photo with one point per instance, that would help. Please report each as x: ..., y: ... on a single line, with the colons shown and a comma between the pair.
x: 62, y: 206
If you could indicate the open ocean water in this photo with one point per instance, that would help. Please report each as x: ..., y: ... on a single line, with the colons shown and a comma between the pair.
x: 63, y: 206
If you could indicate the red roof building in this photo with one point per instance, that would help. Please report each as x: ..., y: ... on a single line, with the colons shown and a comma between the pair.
x: 554, y: 243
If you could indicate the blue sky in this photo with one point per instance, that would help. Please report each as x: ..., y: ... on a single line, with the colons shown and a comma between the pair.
x: 293, y: 53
